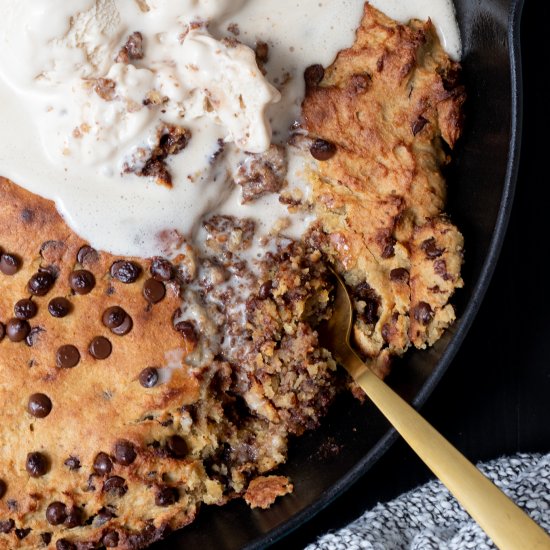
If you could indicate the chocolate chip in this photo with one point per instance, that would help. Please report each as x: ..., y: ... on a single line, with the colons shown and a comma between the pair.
x: 110, y: 539
x: 103, y: 516
x: 56, y: 513
x: 64, y: 544
x: 313, y: 75
x: 429, y: 246
x: 125, y: 452
x: 87, y: 255
x: 67, y: 357
x: 440, y: 268
x: 17, y: 329
x: 187, y: 330
x: 32, y: 337
x: 418, y: 125
x: 388, y: 250
x: 46, y: 538
x: 322, y: 150
x: 117, y: 320
x: 113, y: 317
x: 115, y: 485
x: 399, y: 275
x: 153, y: 291
x: 149, y: 377
x: 6, y: 526
x: 41, y: 283
x: 177, y: 446
x: 124, y: 328
x: 74, y: 518
x: 100, y: 348
x: 39, y: 405
x: 3, y: 488
x: 25, y: 309
x: 82, y: 281
x: 161, y: 269
x: 22, y: 533
x: 265, y: 290
x: 9, y: 264
x: 2, y: 331
x: 365, y: 293
x: 59, y: 307
x: 166, y: 496
x: 103, y: 464
x: 423, y: 313
x: 72, y: 463
x: 125, y: 271
x: 37, y: 464
x: 12, y: 505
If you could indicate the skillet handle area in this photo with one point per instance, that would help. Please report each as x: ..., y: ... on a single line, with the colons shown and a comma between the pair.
x: 505, y: 523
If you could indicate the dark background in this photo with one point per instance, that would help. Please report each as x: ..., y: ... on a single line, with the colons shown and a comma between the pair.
x: 495, y: 397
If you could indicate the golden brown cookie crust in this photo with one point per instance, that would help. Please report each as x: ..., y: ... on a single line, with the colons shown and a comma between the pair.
x: 94, y: 403
x: 382, y: 110
x: 230, y: 422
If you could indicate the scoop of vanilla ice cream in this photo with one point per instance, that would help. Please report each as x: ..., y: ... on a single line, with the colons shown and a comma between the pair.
x: 191, y: 10
x: 226, y: 74
x: 199, y: 80
x: 86, y: 50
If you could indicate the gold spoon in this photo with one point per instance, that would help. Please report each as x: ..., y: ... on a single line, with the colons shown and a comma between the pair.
x: 503, y: 521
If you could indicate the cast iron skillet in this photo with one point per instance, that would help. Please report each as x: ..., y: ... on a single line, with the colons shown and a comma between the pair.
x: 324, y: 463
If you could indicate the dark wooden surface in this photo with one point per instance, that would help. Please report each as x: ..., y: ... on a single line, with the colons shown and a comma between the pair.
x: 495, y: 398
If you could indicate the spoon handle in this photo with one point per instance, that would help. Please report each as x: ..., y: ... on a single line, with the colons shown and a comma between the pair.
x: 505, y: 523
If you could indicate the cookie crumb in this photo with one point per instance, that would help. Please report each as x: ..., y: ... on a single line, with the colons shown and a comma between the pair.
x: 262, y: 491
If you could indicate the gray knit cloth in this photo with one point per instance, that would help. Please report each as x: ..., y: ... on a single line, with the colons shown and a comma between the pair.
x: 429, y: 518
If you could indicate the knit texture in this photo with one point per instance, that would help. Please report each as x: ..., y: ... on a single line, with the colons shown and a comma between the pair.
x: 429, y: 517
